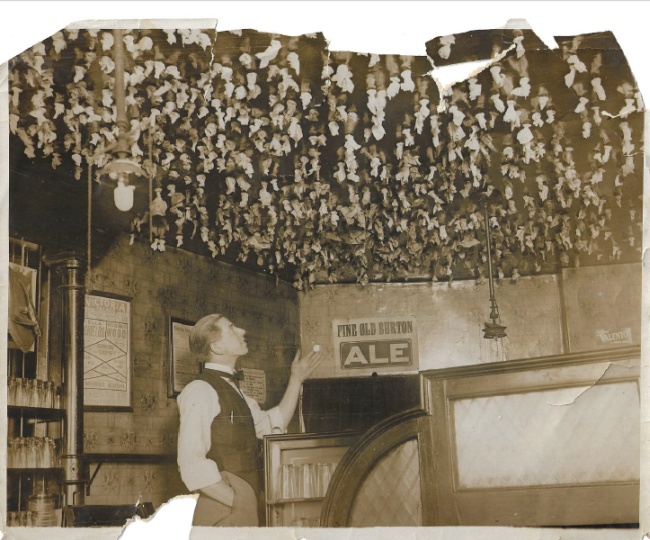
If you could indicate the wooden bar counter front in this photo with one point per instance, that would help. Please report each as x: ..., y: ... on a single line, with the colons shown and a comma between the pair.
x: 481, y: 452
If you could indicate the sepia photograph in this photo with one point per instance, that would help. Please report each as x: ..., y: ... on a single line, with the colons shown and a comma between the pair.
x: 311, y: 287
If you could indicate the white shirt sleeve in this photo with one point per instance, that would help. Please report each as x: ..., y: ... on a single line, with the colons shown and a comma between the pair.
x: 266, y: 422
x: 198, y: 404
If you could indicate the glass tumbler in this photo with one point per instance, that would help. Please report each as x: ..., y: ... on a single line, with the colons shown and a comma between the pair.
x: 307, y: 483
x: 324, y: 477
x: 288, y: 482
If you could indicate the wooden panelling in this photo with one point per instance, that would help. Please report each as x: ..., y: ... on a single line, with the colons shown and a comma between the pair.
x: 440, y: 477
x: 602, y: 488
x: 568, y: 376
x: 356, y: 403
x: 558, y: 506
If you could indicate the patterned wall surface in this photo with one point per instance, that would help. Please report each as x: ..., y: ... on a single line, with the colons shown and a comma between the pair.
x: 449, y: 318
x: 563, y: 436
x: 187, y: 286
x: 126, y: 484
x: 603, y: 306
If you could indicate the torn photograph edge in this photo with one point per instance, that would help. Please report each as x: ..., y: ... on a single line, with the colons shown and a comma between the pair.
x: 325, y: 533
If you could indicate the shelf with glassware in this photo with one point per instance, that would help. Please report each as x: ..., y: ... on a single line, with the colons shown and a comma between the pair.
x: 299, y: 468
x: 34, y: 432
x: 35, y: 420
x: 34, y: 477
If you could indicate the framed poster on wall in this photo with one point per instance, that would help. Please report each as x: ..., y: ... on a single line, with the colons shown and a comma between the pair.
x: 107, y: 352
x: 183, y: 367
x: 364, y: 346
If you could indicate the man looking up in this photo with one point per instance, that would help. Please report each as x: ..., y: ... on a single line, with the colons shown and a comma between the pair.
x: 220, y: 425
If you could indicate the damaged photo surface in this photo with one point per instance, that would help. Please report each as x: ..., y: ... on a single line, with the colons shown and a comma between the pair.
x: 433, y: 294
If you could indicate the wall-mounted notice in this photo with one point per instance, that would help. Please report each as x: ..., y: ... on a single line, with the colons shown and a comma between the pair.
x: 107, y: 352
x: 375, y: 345
x: 254, y: 384
x: 183, y: 365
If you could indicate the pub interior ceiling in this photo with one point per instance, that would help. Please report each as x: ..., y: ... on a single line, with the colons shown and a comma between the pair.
x: 317, y: 166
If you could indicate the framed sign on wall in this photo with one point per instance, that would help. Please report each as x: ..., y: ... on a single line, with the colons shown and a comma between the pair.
x: 107, y: 352
x: 183, y: 366
x: 368, y: 345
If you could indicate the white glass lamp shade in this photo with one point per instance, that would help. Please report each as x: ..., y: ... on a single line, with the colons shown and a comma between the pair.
x: 123, y: 195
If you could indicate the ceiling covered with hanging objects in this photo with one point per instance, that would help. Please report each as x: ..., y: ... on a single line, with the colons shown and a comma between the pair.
x: 275, y: 153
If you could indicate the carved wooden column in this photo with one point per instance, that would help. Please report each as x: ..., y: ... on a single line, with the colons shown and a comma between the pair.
x: 71, y: 271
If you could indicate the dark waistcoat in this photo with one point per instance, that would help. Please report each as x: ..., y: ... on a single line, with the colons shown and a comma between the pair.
x: 234, y: 443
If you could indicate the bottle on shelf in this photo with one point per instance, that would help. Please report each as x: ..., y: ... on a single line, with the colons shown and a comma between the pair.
x: 35, y: 393
x: 48, y: 398
x: 12, y: 384
x: 31, y: 395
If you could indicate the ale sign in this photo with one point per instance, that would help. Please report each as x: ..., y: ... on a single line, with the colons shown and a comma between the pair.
x: 375, y: 344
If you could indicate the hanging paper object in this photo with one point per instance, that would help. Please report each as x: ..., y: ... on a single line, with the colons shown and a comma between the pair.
x: 282, y: 145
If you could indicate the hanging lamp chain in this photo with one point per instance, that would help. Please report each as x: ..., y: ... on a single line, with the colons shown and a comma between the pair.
x: 494, y: 329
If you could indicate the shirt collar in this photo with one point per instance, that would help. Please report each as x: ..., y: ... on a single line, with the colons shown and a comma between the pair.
x: 219, y: 367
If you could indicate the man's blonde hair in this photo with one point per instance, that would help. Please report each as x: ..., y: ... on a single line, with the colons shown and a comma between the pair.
x: 203, y: 334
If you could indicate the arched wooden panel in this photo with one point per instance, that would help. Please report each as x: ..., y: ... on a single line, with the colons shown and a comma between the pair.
x: 484, y: 455
x: 382, y: 457
x: 391, y: 494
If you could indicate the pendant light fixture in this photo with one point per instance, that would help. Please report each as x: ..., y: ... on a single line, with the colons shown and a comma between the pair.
x: 121, y: 167
x: 493, y: 329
